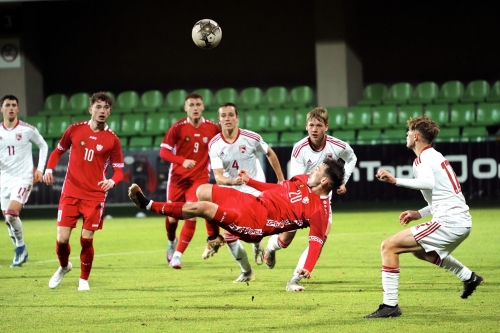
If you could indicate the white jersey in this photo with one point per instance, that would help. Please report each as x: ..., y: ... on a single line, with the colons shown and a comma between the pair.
x: 305, y: 157
x: 240, y: 154
x: 16, y: 156
x: 439, y: 185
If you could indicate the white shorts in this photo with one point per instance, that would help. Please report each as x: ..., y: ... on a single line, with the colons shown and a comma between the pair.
x: 19, y: 193
x: 433, y: 236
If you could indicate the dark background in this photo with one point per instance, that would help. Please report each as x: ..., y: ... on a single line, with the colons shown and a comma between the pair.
x: 142, y: 45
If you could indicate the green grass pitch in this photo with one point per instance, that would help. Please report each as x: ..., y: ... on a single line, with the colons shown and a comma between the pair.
x: 133, y: 289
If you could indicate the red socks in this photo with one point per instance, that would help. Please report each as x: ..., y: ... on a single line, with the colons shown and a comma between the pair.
x: 171, y: 228
x: 63, y: 250
x: 173, y: 209
x: 186, y: 235
x: 86, y: 257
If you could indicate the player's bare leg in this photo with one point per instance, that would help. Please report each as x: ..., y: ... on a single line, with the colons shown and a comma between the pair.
x: 275, y: 243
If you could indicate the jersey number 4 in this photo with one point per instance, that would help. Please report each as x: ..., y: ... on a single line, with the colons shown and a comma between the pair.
x: 451, y: 176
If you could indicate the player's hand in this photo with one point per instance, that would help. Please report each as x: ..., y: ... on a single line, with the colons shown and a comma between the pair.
x: 304, y: 273
x: 385, y: 176
x: 408, y: 216
x: 243, y: 174
x: 106, y: 185
x: 189, y: 164
x: 237, y: 181
x: 341, y: 189
x: 37, y: 176
x: 48, y: 178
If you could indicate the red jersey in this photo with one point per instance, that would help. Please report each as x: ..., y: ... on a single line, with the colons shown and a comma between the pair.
x: 91, y: 153
x: 185, y: 141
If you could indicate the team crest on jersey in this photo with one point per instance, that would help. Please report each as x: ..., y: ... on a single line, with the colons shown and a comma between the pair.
x: 329, y: 155
x: 305, y: 200
x: 243, y: 149
x: 98, y: 147
x: 187, y: 139
x: 82, y: 143
x: 205, y: 139
x: 19, y: 136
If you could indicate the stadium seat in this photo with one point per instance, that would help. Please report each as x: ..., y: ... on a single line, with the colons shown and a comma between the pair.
x: 275, y: 97
x: 54, y: 105
x: 384, y: 116
x: 494, y: 93
x: 488, y: 114
x: 368, y: 137
x: 271, y: 138
x: 157, y: 140
x: 174, y: 101
x: 450, y: 92
x: 408, y: 111
x: 132, y: 125
x: 212, y: 115
x: 40, y: 122
x: 348, y: 136
x: 140, y: 143
x: 176, y: 116
x: 126, y: 102
x: 358, y: 117
x: 56, y: 126
x: 112, y: 95
x: 399, y: 94
x: 439, y: 113
x: 336, y: 117
x: 301, y: 96
x: 208, y: 97
x: 250, y: 98
x: 425, y: 93
x: 474, y: 134
x: 257, y: 120
x: 462, y: 115
x: 150, y: 101
x: 300, y: 119
x: 157, y: 124
x: 394, y: 136
x: 78, y: 104
x: 282, y: 120
x: 450, y: 134
x: 113, y: 122
x: 476, y: 92
x: 226, y: 95
x: 288, y: 139
x: 124, y: 142
x: 374, y: 94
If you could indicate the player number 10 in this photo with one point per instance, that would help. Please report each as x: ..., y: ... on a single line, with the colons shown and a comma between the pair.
x: 89, y: 155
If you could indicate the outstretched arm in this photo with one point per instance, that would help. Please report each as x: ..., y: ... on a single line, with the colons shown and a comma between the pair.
x: 259, y: 186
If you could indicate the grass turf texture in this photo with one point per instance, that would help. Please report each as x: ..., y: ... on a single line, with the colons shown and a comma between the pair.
x: 133, y: 289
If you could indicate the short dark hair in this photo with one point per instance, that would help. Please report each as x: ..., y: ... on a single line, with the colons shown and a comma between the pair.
x: 194, y: 96
x: 103, y: 97
x: 6, y: 97
x: 335, y: 172
x: 427, y: 127
x: 228, y: 104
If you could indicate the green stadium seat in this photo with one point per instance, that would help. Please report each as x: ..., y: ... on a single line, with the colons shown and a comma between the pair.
x: 476, y: 91
x: 348, y: 136
x: 474, y: 134
x: 157, y: 140
x: 368, y: 137
x: 208, y: 97
x: 124, y: 142
x: 54, y: 105
x: 399, y: 94
x: 250, y: 98
x: 494, y: 93
x: 212, y: 115
x: 462, y: 115
x: 358, y: 117
x: 257, y: 120
x: 394, y: 135
x: 282, y: 119
x: 449, y: 134
x: 488, y: 114
x: 56, y: 126
x: 157, y: 124
x: 374, y: 94
x: 78, y: 104
x: 271, y: 138
x: 176, y: 116
x: 384, y: 116
x: 300, y: 119
x: 425, y: 93
x: 439, y: 113
x: 336, y: 117
x: 174, y: 101
x: 40, y: 122
x: 226, y: 95
x: 126, y: 102
x: 450, y: 92
x: 80, y: 118
x: 140, y: 143
x: 110, y: 94
x: 150, y: 101
x: 301, y: 96
x: 275, y: 97
x: 288, y: 139
x: 113, y: 122
x: 408, y: 111
x: 132, y: 125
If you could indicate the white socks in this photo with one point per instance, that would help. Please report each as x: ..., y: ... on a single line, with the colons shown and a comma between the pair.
x: 240, y: 255
x: 456, y: 267
x: 15, y: 229
x: 390, y: 285
x: 272, y: 244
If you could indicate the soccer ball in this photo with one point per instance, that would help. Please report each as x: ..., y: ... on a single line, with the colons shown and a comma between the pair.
x: 206, y: 34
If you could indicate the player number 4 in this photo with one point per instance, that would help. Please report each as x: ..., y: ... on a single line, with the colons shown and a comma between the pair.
x: 451, y: 176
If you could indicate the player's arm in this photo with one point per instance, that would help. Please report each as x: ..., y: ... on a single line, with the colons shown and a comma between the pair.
x: 259, y: 186
x: 220, y: 179
x: 318, y: 223
x: 42, y: 156
x: 350, y: 162
x: 62, y: 146
x: 297, y: 166
x: 424, y: 181
x: 116, y: 159
x: 275, y: 164
x: 166, y: 148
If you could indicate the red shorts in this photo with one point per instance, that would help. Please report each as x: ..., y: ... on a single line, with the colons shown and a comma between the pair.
x: 242, y: 214
x: 70, y: 209
x: 183, y: 193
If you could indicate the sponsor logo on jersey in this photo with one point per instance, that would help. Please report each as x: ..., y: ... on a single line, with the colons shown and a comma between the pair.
x: 92, y: 137
x: 309, y: 162
x: 222, y: 153
x: 187, y: 139
x: 19, y: 136
x: 82, y: 143
x: 99, y: 147
x: 243, y: 149
x: 196, y: 134
x: 205, y: 139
